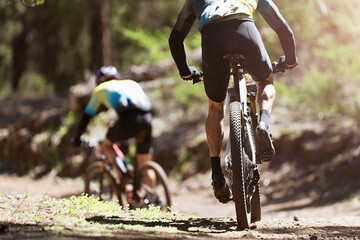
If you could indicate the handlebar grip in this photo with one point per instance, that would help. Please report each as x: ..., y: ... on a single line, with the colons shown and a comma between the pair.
x: 198, y: 79
x: 276, y: 69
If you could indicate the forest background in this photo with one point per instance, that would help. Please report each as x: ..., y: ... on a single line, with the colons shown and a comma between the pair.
x: 46, y: 49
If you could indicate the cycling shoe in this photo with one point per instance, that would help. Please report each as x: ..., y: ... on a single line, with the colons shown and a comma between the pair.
x: 221, y: 189
x: 265, y: 143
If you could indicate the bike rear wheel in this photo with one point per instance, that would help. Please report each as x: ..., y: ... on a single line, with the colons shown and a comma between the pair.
x: 100, y: 183
x: 242, y: 205
x: 145, y: 195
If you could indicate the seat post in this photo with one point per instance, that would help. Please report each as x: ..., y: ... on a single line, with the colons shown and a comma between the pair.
x: 234, y: 60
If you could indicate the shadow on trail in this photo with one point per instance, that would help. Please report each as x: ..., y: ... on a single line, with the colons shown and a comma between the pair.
x: 322, y: 232
x: 210, y: 225
x: 35, y: 231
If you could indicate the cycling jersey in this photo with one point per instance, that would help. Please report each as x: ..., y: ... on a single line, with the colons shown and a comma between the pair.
x: 220, y: 10
x: 118, y: 94
x: 210, y: 12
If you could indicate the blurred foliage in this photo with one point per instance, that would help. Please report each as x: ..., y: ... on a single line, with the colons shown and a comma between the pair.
x: 58, y: 40
x: 148, y: 45
x: 327, y: 79
x: 36, y: 84
x: 190, y: 96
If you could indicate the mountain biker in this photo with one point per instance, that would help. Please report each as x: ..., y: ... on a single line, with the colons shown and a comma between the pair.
x: 227, y: 27
x: 133, y: 108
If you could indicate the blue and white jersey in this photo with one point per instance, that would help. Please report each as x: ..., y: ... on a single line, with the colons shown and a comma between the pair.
x: 117, y: 94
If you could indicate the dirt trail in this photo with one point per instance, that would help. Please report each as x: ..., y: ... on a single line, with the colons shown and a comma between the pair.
x: 296, y: 219
x: 289, y: 220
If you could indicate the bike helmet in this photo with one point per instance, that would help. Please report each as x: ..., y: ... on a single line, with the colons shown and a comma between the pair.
x: 110, y: 72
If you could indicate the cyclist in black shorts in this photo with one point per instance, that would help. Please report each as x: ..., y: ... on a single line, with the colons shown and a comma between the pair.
x: 133, y: 108
x: 227, y: 27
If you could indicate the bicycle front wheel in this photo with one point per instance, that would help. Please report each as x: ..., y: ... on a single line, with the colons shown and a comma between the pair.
x: 238, y: 156
x: 148, y: 192
x: 99, y: 182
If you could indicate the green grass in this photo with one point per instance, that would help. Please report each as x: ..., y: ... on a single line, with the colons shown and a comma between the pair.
x: 72, y: 211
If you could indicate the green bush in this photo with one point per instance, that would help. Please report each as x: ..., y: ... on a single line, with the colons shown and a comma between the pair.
x: 146, y: 45
x: 33, y: 82
x: 190, y: 96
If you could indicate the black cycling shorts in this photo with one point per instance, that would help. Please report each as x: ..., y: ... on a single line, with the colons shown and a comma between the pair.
x: 133, y: 124
x: 229, y: 37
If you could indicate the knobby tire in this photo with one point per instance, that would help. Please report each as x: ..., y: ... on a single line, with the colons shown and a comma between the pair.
x: 238, y: 187
x: 161, y: 179
x: 104, y: 180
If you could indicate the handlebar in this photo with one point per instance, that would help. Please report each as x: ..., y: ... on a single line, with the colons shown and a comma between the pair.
x: 281, y: 66
x: 88, y: 143
x: 197, y: 79
x: 276, y: 69
x: 91, y: 142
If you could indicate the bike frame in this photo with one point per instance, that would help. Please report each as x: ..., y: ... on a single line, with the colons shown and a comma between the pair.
x: 243, y: 164
x: 239, y: 90
x: 103, y: 167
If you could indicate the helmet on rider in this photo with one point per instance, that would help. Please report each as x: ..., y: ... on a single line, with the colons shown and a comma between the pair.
x: 106, y: 73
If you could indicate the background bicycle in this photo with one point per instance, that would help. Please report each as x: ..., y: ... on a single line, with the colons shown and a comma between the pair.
x: 102, y: 180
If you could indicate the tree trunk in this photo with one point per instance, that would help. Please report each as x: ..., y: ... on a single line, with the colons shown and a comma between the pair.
x: 19, y: 47
x: 100, y: 34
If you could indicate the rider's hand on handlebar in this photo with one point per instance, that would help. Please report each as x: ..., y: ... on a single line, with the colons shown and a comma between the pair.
x: 281, y: 66
x: 195, y: 74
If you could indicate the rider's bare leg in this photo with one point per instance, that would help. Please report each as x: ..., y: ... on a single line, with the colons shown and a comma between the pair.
x: 215, y: 132
x: 107, y: 148
x: 266, y: 97
x: 214, y: 127
x: 150, y: 177
x: 266, y: 93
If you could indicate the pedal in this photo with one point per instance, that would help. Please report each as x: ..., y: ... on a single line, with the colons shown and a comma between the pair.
x: 228, y: 163
x: 227, y: 200
x: 224, y: 201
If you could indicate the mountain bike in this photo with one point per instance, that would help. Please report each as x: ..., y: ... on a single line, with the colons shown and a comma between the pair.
x: 241, y: 157
x: 103, y: 181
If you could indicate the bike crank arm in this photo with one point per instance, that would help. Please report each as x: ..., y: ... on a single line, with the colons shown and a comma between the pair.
x: 254, y: 181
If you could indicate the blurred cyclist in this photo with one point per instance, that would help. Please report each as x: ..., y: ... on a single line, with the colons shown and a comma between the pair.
x: 133, y: 108
x: 227, y: 27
